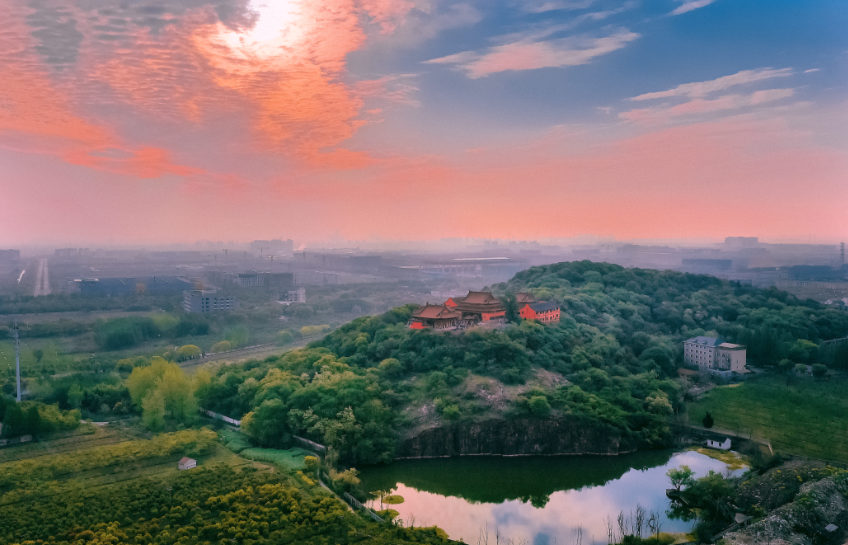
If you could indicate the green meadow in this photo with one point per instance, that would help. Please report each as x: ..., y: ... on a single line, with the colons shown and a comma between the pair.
x: 807, y: 417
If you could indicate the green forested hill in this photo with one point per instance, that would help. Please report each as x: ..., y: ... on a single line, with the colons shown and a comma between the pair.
x: 768, y: 321
x: 609, y: 361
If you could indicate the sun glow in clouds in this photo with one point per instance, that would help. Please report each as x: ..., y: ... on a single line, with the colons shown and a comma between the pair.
x: 274, y: 31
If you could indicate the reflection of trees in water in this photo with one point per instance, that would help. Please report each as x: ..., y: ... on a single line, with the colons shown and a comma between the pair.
x: 499, y: 479
x: 538, y: 501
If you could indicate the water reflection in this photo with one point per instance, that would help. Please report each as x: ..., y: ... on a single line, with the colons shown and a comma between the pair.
x: 538, y: 500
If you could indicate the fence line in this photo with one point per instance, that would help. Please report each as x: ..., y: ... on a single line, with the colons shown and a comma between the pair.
x: 309, y: 445
x: 226, y: 419
x: 15, y: 440
x: 356, y: 503
x: 350, y: 500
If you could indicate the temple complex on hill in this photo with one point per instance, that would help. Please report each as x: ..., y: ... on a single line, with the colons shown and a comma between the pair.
x: 480, y: 307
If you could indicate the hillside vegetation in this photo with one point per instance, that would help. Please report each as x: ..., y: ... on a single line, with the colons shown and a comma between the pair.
x: 609, y: 361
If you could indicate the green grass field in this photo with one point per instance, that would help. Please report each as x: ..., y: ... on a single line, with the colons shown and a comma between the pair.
x: 808, y: 417
x: 291, y: 459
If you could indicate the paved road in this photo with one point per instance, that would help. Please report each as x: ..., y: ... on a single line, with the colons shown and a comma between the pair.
x: 42, y: 279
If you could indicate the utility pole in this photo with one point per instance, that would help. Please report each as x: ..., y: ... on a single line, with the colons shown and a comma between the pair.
x: 17, y: 359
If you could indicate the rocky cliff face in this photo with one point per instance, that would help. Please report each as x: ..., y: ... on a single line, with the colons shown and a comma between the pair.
x: 512, y: 437
x: 804, y: 521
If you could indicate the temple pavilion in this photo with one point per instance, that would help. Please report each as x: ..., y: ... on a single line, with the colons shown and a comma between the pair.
x: 438, y: 317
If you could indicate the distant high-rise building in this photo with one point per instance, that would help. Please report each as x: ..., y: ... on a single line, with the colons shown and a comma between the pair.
x: 9, y: 260
x: 741, y: 242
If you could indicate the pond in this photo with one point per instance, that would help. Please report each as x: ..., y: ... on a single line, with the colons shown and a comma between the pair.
x: 534, y: 500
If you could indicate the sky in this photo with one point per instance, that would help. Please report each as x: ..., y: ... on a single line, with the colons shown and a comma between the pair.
x: 166, y: 121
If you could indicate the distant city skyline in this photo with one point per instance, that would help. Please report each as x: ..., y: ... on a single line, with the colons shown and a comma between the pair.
x: 171, y: 121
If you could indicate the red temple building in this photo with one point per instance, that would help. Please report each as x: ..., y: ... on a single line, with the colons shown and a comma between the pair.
x: 544, y: 312
x: 479, y: 306
x: 438, y: 317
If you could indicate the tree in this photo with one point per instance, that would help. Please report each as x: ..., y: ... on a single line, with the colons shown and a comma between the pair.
x: 143, y: 379
x: 33, y: 420
x: 75, y: 395
x: 154, y: 410
x: 785, y: 365
x: 14, y: 423
x: 511, y: 307
x: 391, y: 367
x: 188, y: 352
x: 803, y: 350
x: 819, y: 370
x: 800, y: 369
x: 681, y: 477
x: 708, y: 421
x: 178, y: 393
x: 38, y: 353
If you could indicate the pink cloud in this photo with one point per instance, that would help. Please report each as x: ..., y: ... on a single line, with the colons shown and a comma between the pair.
x: 387, y: 13
x: 666, y: 114
x: 530, y: 54
x: 701, y: 88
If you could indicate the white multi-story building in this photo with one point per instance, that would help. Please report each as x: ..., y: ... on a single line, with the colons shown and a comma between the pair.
x: 202, y: 301
x: 293, y: 296
x: 713, y: 354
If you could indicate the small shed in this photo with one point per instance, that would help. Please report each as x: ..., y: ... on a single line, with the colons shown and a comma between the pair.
x: 721, y: 446
x: 186, y: 463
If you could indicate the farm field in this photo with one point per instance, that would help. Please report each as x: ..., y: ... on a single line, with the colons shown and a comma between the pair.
x: 29, y: 471
x: 130, y: 491
x: 808, y: 417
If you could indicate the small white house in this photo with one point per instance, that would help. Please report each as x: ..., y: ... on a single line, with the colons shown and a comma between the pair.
x: 721, y: 446
x: 188, y: 463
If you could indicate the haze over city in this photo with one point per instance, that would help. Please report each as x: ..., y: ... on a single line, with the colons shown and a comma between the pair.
x: 172, y: 121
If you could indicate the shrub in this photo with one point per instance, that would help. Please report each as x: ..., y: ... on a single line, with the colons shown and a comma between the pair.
x: 284, y: 337
x: 539, y: 405
x: 222, y: 346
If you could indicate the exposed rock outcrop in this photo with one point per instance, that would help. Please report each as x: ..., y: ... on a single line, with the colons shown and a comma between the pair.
x: 805, y: 520
x: 511, y: 438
